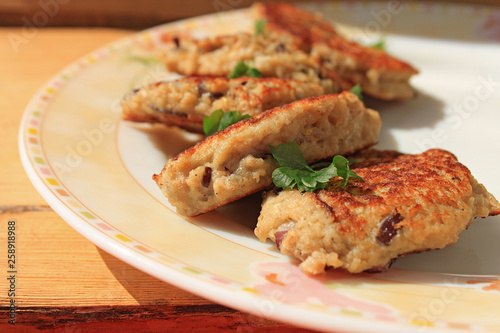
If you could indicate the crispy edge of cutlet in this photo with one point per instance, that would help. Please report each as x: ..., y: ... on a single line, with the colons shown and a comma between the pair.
x: 256, y: 119
x: 234, y: 89
x: 307, y: 29
x: 200, y: 47
x: 373, y: 165
x: 187, y: 154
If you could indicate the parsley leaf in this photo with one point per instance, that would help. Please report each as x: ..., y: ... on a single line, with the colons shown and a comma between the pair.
x: 342, y: 165
x: 290, y: 155
x: 282, y: 178
x: 229, y: 118
x: 294, y: 170
x: 242, y: 69
x: 259, y: 26
x: 211, y: 123
x: 358, y: 91
x: 219, y: 120
x: 380, y: 45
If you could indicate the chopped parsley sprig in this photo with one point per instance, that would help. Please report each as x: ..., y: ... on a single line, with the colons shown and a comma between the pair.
x: 380, y: 44
x: 219, y: 120
x: 259, y: 26
x: 358, y: 91
x: 295, y: 172
x: 242, y: 69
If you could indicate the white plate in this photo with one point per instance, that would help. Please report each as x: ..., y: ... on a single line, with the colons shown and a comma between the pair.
x: 95, y: 171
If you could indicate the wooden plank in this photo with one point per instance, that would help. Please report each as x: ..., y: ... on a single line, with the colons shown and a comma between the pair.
x: 56, y: 266
x: 112, y: 13
x: 121, y: 13
x: 27, y: 61
x: 160, y: 318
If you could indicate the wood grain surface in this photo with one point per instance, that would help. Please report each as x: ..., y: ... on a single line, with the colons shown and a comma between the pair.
x: 64, y: 283
x: 124, y: 13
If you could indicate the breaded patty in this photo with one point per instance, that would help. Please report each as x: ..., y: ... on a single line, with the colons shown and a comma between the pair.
x: 236, y: 162
x: 379, y: 74
x: 406, y: 204
x: 185, y: 102
x: 273, y: 57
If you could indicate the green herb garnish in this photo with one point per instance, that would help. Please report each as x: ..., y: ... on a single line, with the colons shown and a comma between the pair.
x: 294, y: 170
x: 219, y: 120
x: 358, y: 91
x: 259, y: 26
x: 380, y: 45
x: 243, y: 69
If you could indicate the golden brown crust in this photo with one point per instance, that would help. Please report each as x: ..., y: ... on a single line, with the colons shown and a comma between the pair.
x: 308, y: 29
x: 186, y: 101
x: 273, y: 57
x: 236, y: 161
x: 380, y: 74
x: 300, y: 26
x: 406, y: 204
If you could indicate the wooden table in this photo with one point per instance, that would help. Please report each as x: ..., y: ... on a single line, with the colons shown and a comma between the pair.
x: 64, y: 283
x: 127, y: 13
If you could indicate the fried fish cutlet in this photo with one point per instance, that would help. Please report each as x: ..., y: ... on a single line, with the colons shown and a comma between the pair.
x: 236, y: 162
x: 379, y: 74
x: 186, y: 101
x: 406, y: 204
x: 273, y: 57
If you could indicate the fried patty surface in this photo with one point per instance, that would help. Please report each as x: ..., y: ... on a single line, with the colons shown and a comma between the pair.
x: 379, y: 74
x: 236, y: 162
x: 186, y: 101
x: 273, y: 57
x: 406, y: 204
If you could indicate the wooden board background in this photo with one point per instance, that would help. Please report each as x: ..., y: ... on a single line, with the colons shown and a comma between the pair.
x: 132, y: 14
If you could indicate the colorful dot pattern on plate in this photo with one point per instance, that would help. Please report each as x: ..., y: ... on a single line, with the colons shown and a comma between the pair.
x: 400, y: 300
